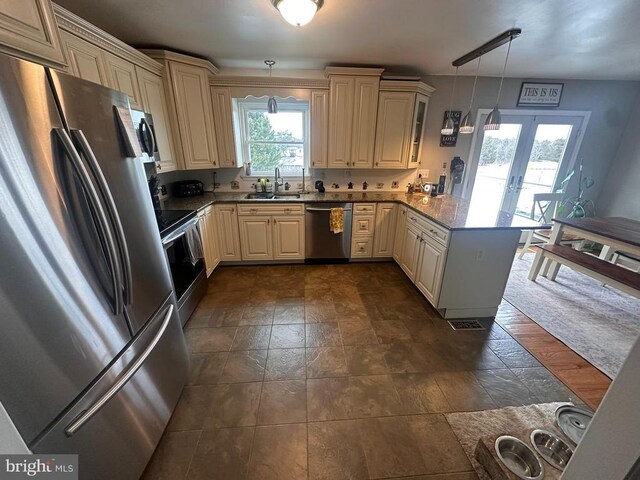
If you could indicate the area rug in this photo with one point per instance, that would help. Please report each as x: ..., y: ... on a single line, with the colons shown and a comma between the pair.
x: 597, y: 322
x: 469, y: 427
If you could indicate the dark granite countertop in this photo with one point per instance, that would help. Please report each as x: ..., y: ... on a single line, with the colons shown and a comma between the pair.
x: 452, y: 213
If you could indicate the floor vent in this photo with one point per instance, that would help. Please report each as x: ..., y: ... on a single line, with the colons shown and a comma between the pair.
x: 465, y: 325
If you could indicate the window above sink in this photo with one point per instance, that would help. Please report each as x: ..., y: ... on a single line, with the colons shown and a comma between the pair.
x: 273, y: 140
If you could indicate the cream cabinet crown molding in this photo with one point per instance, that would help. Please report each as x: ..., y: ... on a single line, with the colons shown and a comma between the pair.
x: 406, y: 86
x: 164, y: 55
x: 353, y: 71
x: 78, y: 26
x: 279, y: 82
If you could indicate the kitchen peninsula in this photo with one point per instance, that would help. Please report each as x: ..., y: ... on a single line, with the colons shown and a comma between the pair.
x: 458, y: 257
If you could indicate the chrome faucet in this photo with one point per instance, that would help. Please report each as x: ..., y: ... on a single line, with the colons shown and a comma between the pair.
x: 277, y: 181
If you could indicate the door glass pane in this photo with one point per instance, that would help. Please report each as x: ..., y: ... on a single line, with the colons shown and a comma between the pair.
x: 496, y: 156
x: 548, y: 150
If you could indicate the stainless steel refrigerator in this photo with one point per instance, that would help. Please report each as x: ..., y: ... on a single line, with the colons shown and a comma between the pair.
x: 92, y: 355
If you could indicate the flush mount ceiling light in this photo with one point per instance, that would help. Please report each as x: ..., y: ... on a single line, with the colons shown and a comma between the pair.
x: 448, y: 126
x: 298, y: 12
x: 467, y: 126
x: 272, y: 105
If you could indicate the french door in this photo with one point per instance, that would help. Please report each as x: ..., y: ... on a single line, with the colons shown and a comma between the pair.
x: 529, y: 154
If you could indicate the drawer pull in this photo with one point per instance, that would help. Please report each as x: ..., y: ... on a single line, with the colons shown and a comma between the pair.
x: 253, y: 210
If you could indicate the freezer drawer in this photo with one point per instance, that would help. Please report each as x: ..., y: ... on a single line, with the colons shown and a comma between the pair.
x: 320, y: 242
x: 116, y: 435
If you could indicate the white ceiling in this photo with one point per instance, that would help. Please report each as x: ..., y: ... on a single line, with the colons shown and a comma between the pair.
x: 586, y: 39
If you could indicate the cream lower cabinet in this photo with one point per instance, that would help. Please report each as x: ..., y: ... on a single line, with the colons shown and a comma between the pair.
x: 288, y: 238
x: 385, y: 230
x: 256, y: 238
x: 207, y: 228
x: 228, y: 233
x: 401, y: 225
x: 363, y: 230
x: 154, y: 101
x: 423, y: 254
x: 430, y: 269
x: 28, y: 30
x: 271, y: 232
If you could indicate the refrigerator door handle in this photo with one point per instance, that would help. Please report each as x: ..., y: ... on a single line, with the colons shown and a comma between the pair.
x: 87, y: 414
x: 155, y: 139
x: 103, y: 220
x: 126, y: 279
x: 144, y: 125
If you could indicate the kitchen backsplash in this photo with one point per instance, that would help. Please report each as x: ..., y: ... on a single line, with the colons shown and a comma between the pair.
x: 382, y: 180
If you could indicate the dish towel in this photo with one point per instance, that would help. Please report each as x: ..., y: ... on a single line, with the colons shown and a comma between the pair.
x: 336, y: 220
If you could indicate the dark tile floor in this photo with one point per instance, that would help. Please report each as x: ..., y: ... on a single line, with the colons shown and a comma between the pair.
x: 331, y: 372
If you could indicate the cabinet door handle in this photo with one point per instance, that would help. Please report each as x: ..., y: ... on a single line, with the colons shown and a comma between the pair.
x: 233, y: 210
x: 377, y: 163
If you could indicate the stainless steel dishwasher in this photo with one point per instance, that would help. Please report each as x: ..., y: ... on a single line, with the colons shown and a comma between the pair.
x: 321, y: 243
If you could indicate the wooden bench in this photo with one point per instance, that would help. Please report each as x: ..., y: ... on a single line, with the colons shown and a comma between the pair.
x: 603, y: 271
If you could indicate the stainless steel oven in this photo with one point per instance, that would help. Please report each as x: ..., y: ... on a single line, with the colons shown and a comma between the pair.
x: 183, y: 248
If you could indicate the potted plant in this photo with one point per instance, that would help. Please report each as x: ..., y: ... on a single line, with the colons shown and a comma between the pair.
x: 577, y: 206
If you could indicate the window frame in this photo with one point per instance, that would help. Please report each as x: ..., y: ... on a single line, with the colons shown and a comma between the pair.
x: 242, y: 108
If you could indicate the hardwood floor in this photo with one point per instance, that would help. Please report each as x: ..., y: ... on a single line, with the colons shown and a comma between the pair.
x: 586, y: 381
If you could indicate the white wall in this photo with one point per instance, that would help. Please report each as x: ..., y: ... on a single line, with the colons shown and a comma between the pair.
x: 620, y: 196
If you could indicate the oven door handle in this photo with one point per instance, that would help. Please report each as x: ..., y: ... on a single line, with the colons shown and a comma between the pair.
x: 180, y: 231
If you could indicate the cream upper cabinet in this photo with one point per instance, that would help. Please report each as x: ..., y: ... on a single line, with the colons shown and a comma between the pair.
x: 288, y: 237
x: 86, y: 60
x: 319, y: 128
x: 401, y: 224
x: 192, y: 95
x: 385, y: 230
x: 28, y: 30
x: 154, y: 101
x: 256, y: 237
x: 430, y: 269
x: 419, y: 125
x: 341, y: 98
x: 223, y: 121
x: 353, y: 110
x: 228, y: 233
x: 121, y: 76
x: 365, y: 113
x: 394, y: 129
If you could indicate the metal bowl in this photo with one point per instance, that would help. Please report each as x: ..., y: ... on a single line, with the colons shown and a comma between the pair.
x: 552, y: 448
x: 573, y: 421
x: 519, y: 458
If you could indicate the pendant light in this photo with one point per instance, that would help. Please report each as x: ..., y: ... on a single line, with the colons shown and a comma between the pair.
x: 494, y: 119
x: 272, y: 105
x: 448, y: 126
x: 467, y: 126
x: 298, y: 12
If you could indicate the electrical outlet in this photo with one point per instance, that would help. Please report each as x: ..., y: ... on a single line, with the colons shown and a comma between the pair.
x: 394, y: 184
x: 235, y: 185
x: 299, y: 185
x: 380, y: 185
x: 163, y: 189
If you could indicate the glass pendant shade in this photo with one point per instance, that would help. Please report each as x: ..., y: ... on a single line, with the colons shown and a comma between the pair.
x: 466, y: 126
x: 493, y: 120
x: 272, y: 105
x: 297, y: 12
x: 447, y: 126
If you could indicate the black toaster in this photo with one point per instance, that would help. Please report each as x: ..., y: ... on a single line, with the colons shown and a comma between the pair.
x: 187, y: 188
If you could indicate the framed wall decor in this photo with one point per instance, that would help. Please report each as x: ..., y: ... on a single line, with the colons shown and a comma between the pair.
x: 535, y: 94
x: 451, y: 140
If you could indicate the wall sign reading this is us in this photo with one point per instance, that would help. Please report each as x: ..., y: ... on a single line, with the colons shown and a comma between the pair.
x: 540, y: 94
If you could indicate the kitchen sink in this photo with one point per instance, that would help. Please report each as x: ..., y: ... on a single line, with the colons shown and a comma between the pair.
x: 271, y: 196
x: 259, y: 196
